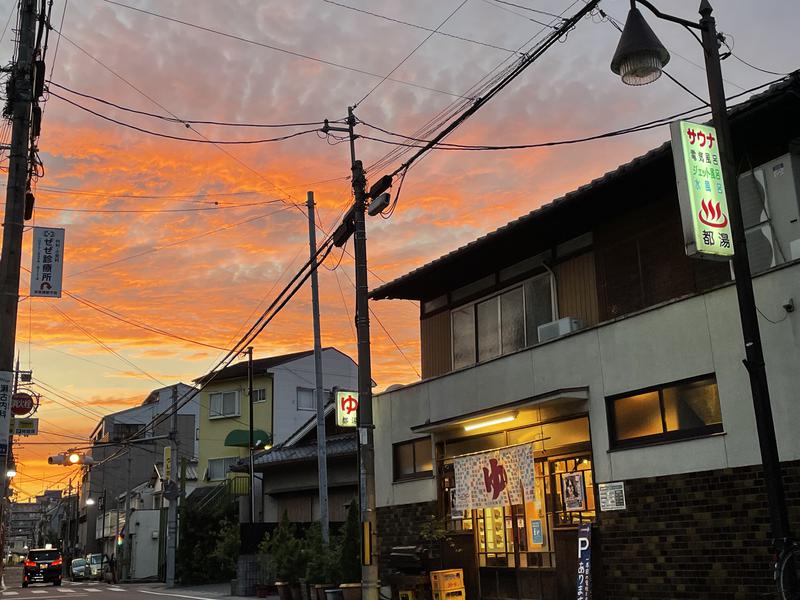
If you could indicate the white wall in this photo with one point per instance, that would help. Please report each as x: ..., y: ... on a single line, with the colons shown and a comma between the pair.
x: 144, y: 554
x: 337, y: 369
x: 675, y: 341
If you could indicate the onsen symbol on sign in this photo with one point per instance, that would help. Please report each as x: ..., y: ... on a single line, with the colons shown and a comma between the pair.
x: 349, y: 404
x: 494, y: 478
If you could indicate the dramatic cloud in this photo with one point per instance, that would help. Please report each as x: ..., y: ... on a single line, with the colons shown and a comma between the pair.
x: 221, y: 231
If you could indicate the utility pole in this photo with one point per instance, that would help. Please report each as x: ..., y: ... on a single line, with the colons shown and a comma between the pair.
x: 322, y: 459
x: 369, y: 568
x: 251, y: 441
x: 126, y: 548
x: 21, y: 102
x: 172, y: 511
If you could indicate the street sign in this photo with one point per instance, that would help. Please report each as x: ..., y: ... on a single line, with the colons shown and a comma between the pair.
x: 47, y: 262
x: 584, y: 580
x: 346, y: 408
x: 701, y: 191
x: 27, y: 426
x: 612, y: 495
x: 21, y: 404
x: 6, y: 383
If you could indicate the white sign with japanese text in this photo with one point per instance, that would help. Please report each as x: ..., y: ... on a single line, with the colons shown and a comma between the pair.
x: 6, y: 386
x: 47, y: 262
x: 26, y: 426
x: 612, y: 495
x: 701, y: 191
x: 346, y: 408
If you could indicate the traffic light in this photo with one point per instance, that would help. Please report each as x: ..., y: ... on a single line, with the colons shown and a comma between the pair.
x: 70, y: 458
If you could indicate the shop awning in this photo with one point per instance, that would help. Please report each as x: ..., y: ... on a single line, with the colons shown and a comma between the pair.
x: 566, y: 401
x: 240, y: 438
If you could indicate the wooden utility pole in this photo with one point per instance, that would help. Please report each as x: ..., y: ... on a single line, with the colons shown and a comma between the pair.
x: 21, y: 101
x: 322, y: 459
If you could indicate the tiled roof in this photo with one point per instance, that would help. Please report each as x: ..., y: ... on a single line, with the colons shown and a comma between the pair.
x: 345, y: 444
x: 260, y: 366
x: 398, y: 288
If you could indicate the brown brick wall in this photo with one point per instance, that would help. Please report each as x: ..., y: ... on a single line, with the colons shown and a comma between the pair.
x: 692, y: 536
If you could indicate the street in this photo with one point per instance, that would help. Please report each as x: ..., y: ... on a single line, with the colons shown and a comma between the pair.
x: 12, y: 590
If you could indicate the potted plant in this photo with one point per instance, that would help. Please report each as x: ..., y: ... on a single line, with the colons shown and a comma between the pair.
x: 317, y: 561
x: 433, y: 533
x: 266, y: 569
x: 350, y: 558
x: 286, y: 556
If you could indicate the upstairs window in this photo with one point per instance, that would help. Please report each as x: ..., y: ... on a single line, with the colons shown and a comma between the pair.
x: 413, y: 459
x: 503, y: 323
x: 223, y: 404
x: 218, y: 467
x: 259, y: 395
x: 670, y: 412
x: 305, y: 399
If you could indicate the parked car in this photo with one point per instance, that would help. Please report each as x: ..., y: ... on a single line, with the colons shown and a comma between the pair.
x: 79, y: 569
x: 42, y: 565
x: 95, y: 562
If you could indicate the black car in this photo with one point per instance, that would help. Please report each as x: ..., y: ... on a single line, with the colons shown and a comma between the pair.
x: 43, y: 565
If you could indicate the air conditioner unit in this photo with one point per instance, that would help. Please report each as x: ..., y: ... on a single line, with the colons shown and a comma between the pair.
x: 555, y: 329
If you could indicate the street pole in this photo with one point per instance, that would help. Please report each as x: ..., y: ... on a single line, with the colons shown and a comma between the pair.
x: 126, y: 548
x: 754, y: 361
x: 103, y: 533
x: 369, y: 568
x: 250, y: 444
x: 172, y: 510
x: 322, y: 461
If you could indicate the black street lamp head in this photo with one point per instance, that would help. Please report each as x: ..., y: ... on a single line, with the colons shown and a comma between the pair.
x: 640, y: 56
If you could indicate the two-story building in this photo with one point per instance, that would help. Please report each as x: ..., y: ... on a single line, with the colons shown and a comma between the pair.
x: 584, y: 329
x: 283, y: 402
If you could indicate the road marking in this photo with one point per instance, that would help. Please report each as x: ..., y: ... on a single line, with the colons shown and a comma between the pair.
x: 38, y: 592
x: 10, y: 593
x: 175, y: 595
x: 65, y: 591
x: 92, y: 589
x: 116, y: 589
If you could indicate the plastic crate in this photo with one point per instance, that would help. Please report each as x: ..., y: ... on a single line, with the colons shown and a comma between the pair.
x: 457, y: 594
x: 450, y: 579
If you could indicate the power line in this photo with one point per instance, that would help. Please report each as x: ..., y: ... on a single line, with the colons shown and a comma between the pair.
x: 744, y: 62
x: 182, y: 241
x: 528, y: 8
x: 410, y: 54
x: 181, y: 138
x: 185, y: 121
x: 80, y: 192
x: 276, y: 48
x: 421, y: 27
x: 156, y: 210
x: 513, y: 12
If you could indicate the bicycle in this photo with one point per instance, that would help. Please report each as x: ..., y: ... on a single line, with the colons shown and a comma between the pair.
x: 787, y: 570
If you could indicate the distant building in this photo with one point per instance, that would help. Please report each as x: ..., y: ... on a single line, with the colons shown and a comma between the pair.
x: 283, y: 402
x: 120, y: 467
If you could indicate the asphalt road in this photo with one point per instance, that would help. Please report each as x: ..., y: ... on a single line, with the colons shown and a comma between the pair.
x: 91, y: 590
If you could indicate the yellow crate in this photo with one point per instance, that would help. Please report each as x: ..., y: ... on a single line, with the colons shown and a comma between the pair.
x: 449, y: 579
x: 457, y: 594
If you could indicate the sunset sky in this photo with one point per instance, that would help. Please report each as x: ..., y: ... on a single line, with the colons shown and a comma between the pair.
x: 202, y: 274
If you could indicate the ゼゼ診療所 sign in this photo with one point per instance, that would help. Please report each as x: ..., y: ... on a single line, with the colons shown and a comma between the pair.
x: 701, y: 191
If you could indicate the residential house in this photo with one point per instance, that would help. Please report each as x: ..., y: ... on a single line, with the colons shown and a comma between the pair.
x: 283, y: 401
x: 583, y: 328
x: 119, y: 466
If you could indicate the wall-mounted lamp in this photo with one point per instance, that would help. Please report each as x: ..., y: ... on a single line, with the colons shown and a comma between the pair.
x: 490, y: 422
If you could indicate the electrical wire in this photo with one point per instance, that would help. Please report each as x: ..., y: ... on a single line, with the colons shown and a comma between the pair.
x: 410, y: 54
x: 155, y: 210
x: 185, y: 121
x: 80, y: 192
x: 528, y: 8
x: 744, y: 62
x: 275, y: 48
x: 420, y: 27
x: 513, y: 12
x: 178, y: 137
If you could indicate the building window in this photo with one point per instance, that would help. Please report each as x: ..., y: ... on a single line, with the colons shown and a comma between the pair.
x: 670, y: 412
x: 503, y: 323
x: 259, y: 395
x: 413, y: 459
x: 218, y: 467
x: 305, y: 399
x: 223, y: 404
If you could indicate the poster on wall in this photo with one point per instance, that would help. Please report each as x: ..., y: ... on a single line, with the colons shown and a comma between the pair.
x: 612, y: 495
x: 573, y: 491
x: 494, y: 478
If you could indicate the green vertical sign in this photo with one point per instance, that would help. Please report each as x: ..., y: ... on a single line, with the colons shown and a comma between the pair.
x: 701, y: 191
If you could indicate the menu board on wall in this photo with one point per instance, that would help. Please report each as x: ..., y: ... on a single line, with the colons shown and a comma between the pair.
x: 612, y: 495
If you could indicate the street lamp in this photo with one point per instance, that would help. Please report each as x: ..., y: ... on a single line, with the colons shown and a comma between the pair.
x: 90, y: 502
x: 640, y: 59
x: 12, y: 472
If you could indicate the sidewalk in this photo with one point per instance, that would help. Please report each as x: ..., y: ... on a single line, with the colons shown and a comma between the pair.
x: 210, y: 590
